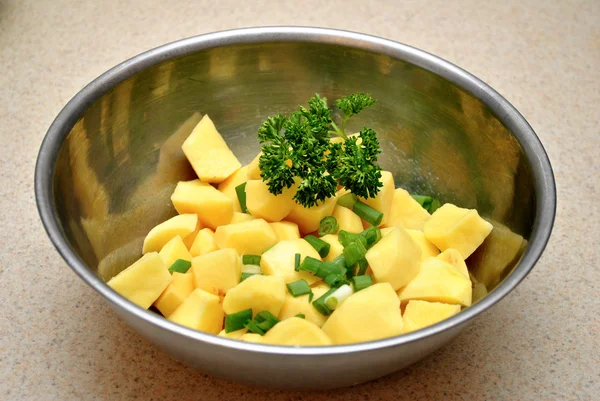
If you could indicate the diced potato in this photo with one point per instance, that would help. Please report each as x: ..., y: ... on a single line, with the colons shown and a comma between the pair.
x: 204, y: 242
x: 241, y: 217
x: 386, y: 230
x: 347, y: 219
x: 384, y: 198
x: 406, y: 211
x: 217, y: 272
x: 420, y: 314
x: 234, y: 335
x: 438, y: 281
x: 257, y: 292
x: 176, y: 292
x: 189, y: 240
x: 143, y: 281
x: 208, y: 153
x: 227, y: 187
x: 370, y: 314
x: 309, y: 219
x: 428, y: 250
x: 262, y: 203
x: 285, y: 230
x: 335, y: 248
x: 280, y: 260
x: 173, y: 250
x: 295, y: 305
x: 253, y: 169
x: 395, y: 259
x: 297, y: 332
x: 182, y: 225
x: 454, y: 227
x: 252, y: 338
x: 250, y: 237
x: 454, y: 258
x: 212, y: 207
x: 201, y: 310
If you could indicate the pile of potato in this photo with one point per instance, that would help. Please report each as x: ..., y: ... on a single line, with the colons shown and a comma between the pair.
x: 418, y: 266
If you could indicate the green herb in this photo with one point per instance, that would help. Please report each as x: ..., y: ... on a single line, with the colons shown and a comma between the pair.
x: 328, y: 225
x: 319, y: 304
x: 428, y: 203
x: 240, y: 190
x: 180, y: 266
x: 354, y: 252
x: 298, y: 148
x: 328, y: 268
x: 262, y: 322
x: 251, y: 260
x: 372, y: 235
x: 346, y: 238
x: 297, y: 262
x: 361, y: 282
x: 335, y: 280
x: 301, y: 315
x: 321, y: 246
x: 310, y: 264
x: 364, y: 211
x: 237, y: 321
x: 298, y: 288
x: 338, y: 296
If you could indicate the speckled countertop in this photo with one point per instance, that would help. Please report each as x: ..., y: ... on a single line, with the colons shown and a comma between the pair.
x: 59, y: 340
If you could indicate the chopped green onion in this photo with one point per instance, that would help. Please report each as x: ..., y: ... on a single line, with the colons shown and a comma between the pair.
x: 329, y: 225
x: 363, y: 265
x: 338, y: 296
x: 347, y: 200
x: 361, y: 282
x: 246, y: 275
x: 297, y: 262
x: 301, y: 315
x: 345, y: 238
x: 298, y: 288
x: 240, y: 190
x: 428, y: 203
x: 180, y: 266
x: 321, y: 246
x: 334, y: 280
x: 435, y: 205
x: 237, y: 321
x: 310, y: 264
x: 354, y: 252
x: 372, y: 235
x: 263, y: 321
x: 340, y: 260
x: 253, y: 327
x: 311, y: 296
x: 255, y: 269
x: 366, y: 212
x: 319, y: 304
x: 251, y: 260
x: 328, y: 268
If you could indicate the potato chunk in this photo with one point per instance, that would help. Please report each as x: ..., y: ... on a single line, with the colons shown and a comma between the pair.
x: 212, y: 207
x: 428, y: 250
x: 176, y: 292
x: 263, y: 204
x: 280, y: 260
x: 454, y: 258
x: 406, y: 212
x: 335, y: 248
x: 295, y: 305
x: 182, y: 225
x: 309, y: 219
x: 204, y: 242
x: 250, y: 237
x: 285, y: 230
x: 297, y: 332
x: 217, y: 272
x: 173, y: 250
x: 201, y: 310
x: 347, y: 219
x: 383, y: 200
x: 228, y: 186
x: 420, y: 314
x: 257, y: 292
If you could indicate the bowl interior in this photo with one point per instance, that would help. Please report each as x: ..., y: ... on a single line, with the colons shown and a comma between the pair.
x: 120, y: 162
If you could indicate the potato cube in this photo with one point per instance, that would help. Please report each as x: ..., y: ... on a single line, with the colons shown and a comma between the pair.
x: 454, y: 258
x: 309, y: 219
x: 438, y: 281
x: 173, y: 250
x: 228, y: 186
x: 367, y: 315
x: 204, y: 242
x: 143, y: 281
x: 285, y: 230
x: 252, y: 338
x: 454, y: 227
x: 257, y: 292
x: 201, y: 310
x: 383, y: 200
x: 395, y: 259
x: 217, y: 272
x: 253, y: 169
x: 263, y: 204
x: 335, y: 248
x: 189, y: 240
x: 251, y: 237
x: 241, y: 217
x: 407, y: 212
x: 428, y: 250
x: 176, y: 292
x: 182, y: 225
x: 280, y: 260
x: 297, y: 332
x: 347, y: 219
x: 209, y: 155
x: 420, y: 314
x: 212, y: 207
x: 234, y: 335
x: 295, y: 305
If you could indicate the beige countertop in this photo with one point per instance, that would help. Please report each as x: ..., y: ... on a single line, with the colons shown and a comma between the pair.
x: 59, y: 340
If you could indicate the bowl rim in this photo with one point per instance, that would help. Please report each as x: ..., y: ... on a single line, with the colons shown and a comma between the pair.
x: 541, y: 169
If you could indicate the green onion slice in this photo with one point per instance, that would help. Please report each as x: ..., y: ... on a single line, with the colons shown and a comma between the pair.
x: 301, y: 315
x: 354, y: 252
x: 328, y: 268
x: 240, y: 190
x: 246, y: 275
x: 328, y: 225
x: 298, y: 288
x: 321, y: 246
x: 361, y: 282
x: 338, y: 296
x: 319, y: 303
x: 180, y: 266
x: 372, y: 235
x: 366, y: 212
x: 251, y: 260
x: 310, y: 264
x: 297, y: 261
x: 237, y: 321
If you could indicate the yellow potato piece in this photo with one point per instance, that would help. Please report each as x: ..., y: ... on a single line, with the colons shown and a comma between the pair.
x: 309, y: 219
x: 241, y: 217
x: 454, y: 227
x: 295, y: 305
x: 384, y: 198
x: 217, y: 272
x: 395, y: 259
x: 454, y: 258
x: 250, y: 237
x: 253, y: 169
x: 173, y: 250
x: 201, y: 310
x: 212, y: 207
x: 285, y: 230
x: 335, y: 248
x: 257, y: 292
x: 234, y: 335
x: 227, y: 187
x: 420, y: 314
x: 406, y: 212
x: 263, y: 204
x: 296, y: 331
x: 280, y: 260
x: 438, y: 281
x: 143, y: 281
x: 189, y: 240
x: 252, y: 338
x: 182, y: 225
x: 370, y: 314
x: 204, y: 242
x: 208, y: 153
x: 428, y: 250
x: 347, y: 219
x: 176, y: 292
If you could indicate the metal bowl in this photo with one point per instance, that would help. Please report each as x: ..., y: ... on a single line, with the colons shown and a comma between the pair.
x: 110, y: 161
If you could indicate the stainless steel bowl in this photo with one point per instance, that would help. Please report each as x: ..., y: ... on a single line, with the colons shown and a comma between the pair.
x: 111, y: 158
